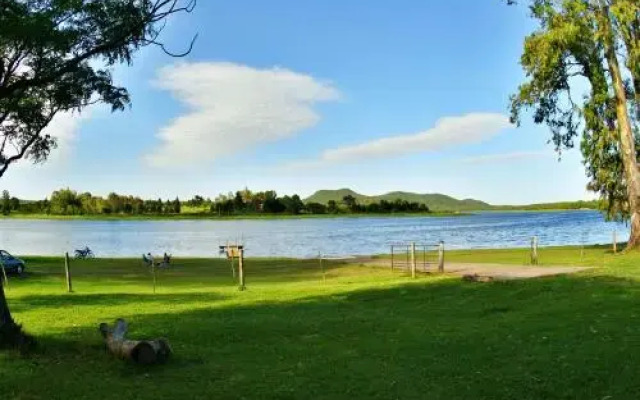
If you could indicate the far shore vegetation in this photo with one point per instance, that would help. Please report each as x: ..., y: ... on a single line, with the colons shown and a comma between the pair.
x: 244, y: 204
x: 558, y: 206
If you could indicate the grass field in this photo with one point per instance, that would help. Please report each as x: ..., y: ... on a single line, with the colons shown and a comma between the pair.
x: 361, y: 333
x: 596, y: 256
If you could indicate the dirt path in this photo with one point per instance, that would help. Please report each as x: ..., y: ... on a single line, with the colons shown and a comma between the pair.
x: 493, y: 271
x: 504, y: 271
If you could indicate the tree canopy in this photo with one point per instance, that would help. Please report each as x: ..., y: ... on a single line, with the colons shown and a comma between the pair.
x: 58, y: 55
x: 583, y: 81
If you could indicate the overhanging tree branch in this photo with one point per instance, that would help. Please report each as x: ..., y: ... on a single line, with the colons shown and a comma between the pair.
x: 57, y: 56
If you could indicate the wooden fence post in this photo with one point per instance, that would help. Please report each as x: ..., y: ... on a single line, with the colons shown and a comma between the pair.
x: 392, y: 258
x: 324, y: 276
x: 534, y: 250
x: 413, y: 259
x: 153, y: 272
x: 67, y: 272
x: 424, y: 258
x: 615, y: 243
x: 407, y: 257
x: 441, y: 257
x: 241, y: 268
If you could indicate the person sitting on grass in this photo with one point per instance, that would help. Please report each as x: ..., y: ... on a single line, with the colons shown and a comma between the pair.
x: 166, y: 260
x: 148, y: 259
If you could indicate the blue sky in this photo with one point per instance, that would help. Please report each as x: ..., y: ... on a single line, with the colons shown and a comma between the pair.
x: 298, y: 96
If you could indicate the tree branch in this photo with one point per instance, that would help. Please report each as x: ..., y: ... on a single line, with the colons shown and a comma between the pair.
x: 175, y: 55
x: 8, y: 161
x: 155, y: 16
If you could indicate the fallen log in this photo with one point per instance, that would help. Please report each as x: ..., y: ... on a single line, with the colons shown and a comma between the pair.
x: 477, y: 278
x: 140, y: 351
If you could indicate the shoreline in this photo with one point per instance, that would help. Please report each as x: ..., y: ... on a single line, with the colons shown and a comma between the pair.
x: 456, y: 253
x: 205, y: 217
x: 208, y: 217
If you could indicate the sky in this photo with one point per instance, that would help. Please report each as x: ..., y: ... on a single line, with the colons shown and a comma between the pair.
x: 296, y: 96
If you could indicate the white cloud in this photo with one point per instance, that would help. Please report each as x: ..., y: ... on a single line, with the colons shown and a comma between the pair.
x: 507, y: 157
x: 64, y: 127
x: 447, y: 132
x: 233, y: 107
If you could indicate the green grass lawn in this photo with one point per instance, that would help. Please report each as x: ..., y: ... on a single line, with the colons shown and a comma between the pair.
x: 361, y: 333
x: 596, y: 256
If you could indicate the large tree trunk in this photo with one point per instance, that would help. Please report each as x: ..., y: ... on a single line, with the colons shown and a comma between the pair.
x: 636, y: 88
x: 11, y: 334
x: 627, y: 140
x: 631, y: 37
x: 5, y: 314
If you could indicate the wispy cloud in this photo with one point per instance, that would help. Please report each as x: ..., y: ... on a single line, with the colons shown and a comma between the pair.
x: 447, y: 132
x: 233, y: 107
x: 507, y: 157
x: 64, y: 127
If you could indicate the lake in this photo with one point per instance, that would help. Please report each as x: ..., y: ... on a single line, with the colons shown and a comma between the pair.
x: 305, y: 237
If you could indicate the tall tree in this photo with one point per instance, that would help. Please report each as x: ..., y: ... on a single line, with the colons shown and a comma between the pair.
x: 578, y: 41
x: 350, y: 202
x: 57, y: 56
x: 626, y: 15
x: 6, y: 202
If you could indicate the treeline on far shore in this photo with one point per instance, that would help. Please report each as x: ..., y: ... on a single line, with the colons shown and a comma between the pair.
x: 564, y: 205
x: 245, y: 202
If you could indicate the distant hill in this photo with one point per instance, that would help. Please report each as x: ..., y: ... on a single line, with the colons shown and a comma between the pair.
x: 435, y: 201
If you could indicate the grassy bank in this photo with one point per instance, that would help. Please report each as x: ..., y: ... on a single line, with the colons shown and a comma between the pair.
x: 358, y: 333
x: 597, y: 256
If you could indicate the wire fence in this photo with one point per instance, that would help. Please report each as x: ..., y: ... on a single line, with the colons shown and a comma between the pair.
x: 409, y: 257
x: 417, y: 256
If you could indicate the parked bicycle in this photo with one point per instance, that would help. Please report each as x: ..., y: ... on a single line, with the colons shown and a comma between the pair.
x: 84, y: 253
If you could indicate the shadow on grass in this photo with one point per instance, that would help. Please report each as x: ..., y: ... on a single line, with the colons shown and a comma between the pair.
x: 553, y: 338
x: 108, y: 299
x: 187, y: 273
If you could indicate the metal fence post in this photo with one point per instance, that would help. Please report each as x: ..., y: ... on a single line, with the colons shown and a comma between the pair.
x: 413, y: 259
x: 534, y: 250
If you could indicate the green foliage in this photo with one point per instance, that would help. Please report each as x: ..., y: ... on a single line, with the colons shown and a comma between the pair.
x: 332, y: 206
x: 568, y: 50
x: 316, y: 208
x: 565, y: 205
x: 292, y: 204
x: 69, y: 202
x: 58, y: 55
x: 6, y: 202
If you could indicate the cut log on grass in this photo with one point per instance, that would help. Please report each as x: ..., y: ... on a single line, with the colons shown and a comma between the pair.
x: 140, y: 351
x: 477, y: 278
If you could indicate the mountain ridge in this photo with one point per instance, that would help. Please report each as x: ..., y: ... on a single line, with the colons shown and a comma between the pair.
x: 435, y: 201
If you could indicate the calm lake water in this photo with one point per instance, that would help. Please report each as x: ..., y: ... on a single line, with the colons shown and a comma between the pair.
x: 306, y: 237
